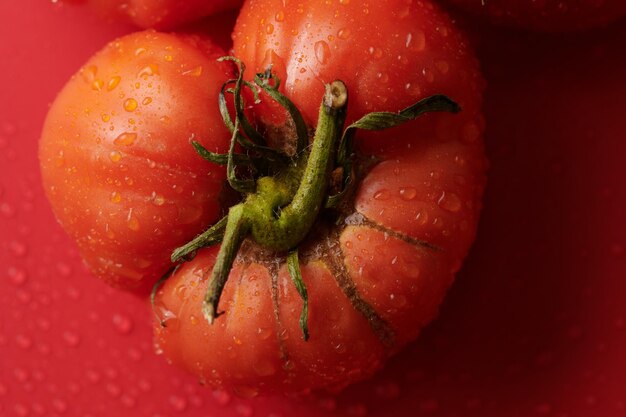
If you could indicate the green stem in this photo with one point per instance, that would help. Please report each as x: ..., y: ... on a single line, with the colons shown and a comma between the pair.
x: 294, y: 221
x: 236, y: 231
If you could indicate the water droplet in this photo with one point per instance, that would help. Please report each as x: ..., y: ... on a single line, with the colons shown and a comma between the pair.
x: 269, y: 29
x: 428, y: 74
x: 322, y: 52
x: 113, y: 82
x: 23, y: 341
x: 157, y: 199
x: 128, y: 401
x: 221, y: 397
x: 245, y: 410
x: 113, y: 389
x: 18, y: 249
x: 130, y: 104
x: 17, y: 276
x: 115, y: 156
x: 168, y: 58
x: 59, y: 405
x: 125, y: 139
x: 147, y: 71
x: 178, y: 403
x: 408, y: 193
x: 115, y: 197
x: 20, y: 410
x: 97, y: 85
x: 382, y: 195
x: 280, y: 16
x: 71, y: 339
x: 375, y: 52
x: 450, y: 202
x: 344, y: 33
x: 194, y: 72
x: 123, y: 323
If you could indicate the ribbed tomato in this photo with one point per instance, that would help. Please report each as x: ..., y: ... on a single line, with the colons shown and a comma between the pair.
x: 377, y: 266
x: 116, y: 161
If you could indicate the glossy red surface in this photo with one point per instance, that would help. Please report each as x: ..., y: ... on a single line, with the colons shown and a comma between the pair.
x: 535, y: 324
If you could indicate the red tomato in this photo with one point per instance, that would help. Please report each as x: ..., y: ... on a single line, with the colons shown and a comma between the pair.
x: 162, y: 14
x: 547, y: 15
x: 377, y: 273
x: 115, y: 156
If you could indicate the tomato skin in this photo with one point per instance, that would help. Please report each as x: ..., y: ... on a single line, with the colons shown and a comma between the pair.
x: 117, y: 165
x: 372, y: 282
x: 546, y: 15
x: 161, y: 14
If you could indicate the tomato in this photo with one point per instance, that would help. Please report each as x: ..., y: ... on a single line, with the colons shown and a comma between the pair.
x: 161, y: 14
x: 115, y: 156
x: 547, y: 15
x: 376, y: 268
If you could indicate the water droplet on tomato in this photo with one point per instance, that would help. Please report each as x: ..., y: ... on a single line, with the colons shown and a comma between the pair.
x: 125, y: 139
x: 280, y: 16
x: 408, y: 193
x: 322, y: 52
x: 344, y: 33
x: 113, y: 82
x: 97, y: 85
x: 168, y: 58
x: 194, y: 72
x: 375, y: 52
x: 157, y: 199
x: 132, y: 222
x: 428, y: 74
x: 115, y: 197
x: 382, y: 195
x: 449, y: 202
x: 148, y: 71
x: 115, y: 156
x: 130, y: 104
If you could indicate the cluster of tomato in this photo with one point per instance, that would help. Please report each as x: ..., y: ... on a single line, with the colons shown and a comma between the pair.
x: 317, y: 187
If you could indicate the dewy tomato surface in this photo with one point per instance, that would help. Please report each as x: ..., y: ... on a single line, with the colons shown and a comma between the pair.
x: 534, y: 325
x: 377, y: 267
x: 116, y: 161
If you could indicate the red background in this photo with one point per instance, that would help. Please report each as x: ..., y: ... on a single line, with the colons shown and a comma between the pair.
x: 535, y: 325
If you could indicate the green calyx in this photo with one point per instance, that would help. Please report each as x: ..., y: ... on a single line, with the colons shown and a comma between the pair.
x: 282, y: 194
